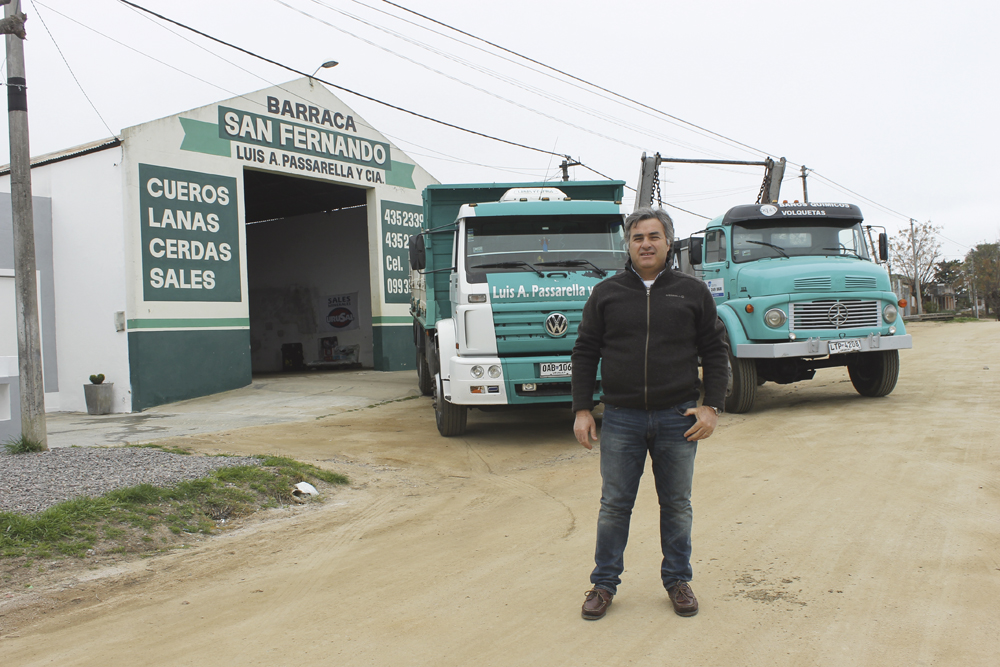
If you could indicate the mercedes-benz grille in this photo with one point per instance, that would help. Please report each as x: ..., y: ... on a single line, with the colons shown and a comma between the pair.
x: 833, y: 314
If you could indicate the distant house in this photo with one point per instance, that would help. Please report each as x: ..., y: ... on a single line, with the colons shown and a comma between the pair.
x: 943, y: 296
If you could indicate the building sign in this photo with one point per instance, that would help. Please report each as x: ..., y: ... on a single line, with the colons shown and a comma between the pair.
x: 399, y: 223
x: 190, y: 235
x: 276, y: 135
x: 338, y: 312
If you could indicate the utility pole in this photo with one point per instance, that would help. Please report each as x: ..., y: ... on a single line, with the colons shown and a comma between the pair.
x: 29, y: 349
x: 975, y: 297
x: 916, y: 269
x: 805, y: 191
x: 566, y: 164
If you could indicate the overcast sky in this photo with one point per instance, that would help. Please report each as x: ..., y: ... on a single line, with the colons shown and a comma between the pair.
x: 895, y: 101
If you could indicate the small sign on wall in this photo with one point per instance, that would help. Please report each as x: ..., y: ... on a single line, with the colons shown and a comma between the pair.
x: 190, y: 235
x: 399, y: 223
x: 338, y: 312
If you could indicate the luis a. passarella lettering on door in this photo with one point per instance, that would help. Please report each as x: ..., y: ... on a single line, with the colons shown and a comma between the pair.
x: 190, y: 235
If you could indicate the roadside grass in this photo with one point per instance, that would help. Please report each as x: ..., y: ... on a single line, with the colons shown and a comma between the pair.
x: 145, y: 519
x: 162, y: 448
x: 23, y: 445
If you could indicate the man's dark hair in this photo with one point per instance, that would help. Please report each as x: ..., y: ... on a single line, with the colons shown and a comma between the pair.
x: 645, y: 213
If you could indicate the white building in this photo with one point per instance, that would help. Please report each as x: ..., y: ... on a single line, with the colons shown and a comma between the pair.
x: 244, y: 236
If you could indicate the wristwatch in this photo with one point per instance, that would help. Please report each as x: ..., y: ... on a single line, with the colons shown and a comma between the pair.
x: 718, y: 411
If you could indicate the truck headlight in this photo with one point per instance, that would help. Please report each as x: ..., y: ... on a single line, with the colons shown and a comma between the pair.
x: 889, y: 313
x: 477, y: 371
x: 774, y: 318
x: 494, y: 371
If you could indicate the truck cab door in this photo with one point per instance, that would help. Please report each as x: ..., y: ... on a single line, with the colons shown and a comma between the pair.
x: 715, y: 267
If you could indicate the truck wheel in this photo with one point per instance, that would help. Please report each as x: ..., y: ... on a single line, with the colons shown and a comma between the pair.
x: 451, y: 419
x: 425, y: 381
x: 742, y: 385
x: 874, y: 373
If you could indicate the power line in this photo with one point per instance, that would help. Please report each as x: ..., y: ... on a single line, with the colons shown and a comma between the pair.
x: 372, y: 99
x: 576, y: 78
x: 130, y: 48
x: 445, y: 123
x: 857, y: 194
x: 71, y: 73
x: 629, y: 99
x: 465, y: 83
x: 482, y: 69
x: 280, y: 87
x: 342, y: 88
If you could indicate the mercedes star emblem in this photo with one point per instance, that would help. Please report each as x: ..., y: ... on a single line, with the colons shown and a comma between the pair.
x: 837, y: 314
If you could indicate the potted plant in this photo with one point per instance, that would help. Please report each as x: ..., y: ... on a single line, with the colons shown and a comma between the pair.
x: 98, y: 395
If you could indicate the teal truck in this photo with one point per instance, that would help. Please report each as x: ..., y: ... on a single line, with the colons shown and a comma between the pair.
x: 798, y: 288
x: 499, y: 277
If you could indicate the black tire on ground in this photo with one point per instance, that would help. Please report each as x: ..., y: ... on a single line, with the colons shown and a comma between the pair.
x: 743, y: 385
x: 425, y: 381
x: 874, y: 373
x: 451, y: 419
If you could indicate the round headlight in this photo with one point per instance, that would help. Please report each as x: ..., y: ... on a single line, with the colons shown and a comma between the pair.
x: 477, y: 371
x: 774, y: 318
x: 494, y: 372
x: 889, y: 313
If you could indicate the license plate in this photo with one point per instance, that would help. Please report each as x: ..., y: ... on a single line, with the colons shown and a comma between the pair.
x: 561, y: 369
x: 841, y: 346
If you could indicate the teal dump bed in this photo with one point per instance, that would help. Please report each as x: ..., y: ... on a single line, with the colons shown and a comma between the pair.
x: 441, y: 207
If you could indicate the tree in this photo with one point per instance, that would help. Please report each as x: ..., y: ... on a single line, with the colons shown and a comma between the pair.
x: 951, y: 273
x: 914, y: 252
x: 983, y: 268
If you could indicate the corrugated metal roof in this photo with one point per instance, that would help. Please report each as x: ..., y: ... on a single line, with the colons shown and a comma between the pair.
x: 69, y: 153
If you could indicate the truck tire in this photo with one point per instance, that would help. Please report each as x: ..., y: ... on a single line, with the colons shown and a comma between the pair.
x: 451, y: 419
x: 742, y: 385
x: 874, y: 373
x: 425, y: 381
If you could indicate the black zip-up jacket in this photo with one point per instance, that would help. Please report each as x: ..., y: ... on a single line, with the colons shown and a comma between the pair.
x: 648, y: 343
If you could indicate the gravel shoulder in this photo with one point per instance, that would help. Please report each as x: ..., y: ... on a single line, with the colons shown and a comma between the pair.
x: 34, y: 482
x: 829, y: 530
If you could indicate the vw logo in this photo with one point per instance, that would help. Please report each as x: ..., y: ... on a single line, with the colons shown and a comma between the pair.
x: 837, y: 314
x: 556, y: 325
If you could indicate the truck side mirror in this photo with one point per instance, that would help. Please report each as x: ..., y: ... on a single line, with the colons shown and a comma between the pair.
x: 883, y: 246
x: 694, y: 250
x: 418, y: 253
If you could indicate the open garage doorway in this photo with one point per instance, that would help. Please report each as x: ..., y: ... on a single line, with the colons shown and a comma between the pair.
x: 308, y: 273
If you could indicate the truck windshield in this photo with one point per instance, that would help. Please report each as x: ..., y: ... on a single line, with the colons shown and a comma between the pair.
x: 557, y: 242
x: 754, y: 241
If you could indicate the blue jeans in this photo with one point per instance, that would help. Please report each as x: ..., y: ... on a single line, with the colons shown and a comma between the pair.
x: 626, y: 436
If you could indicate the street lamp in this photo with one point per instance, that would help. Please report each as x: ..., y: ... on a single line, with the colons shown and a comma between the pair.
x: 327, y: 65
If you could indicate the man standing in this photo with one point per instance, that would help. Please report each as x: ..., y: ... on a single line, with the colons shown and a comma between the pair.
x: 647, y: 326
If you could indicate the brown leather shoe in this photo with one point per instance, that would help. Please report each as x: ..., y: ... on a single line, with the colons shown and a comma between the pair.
x: 683, y: 599
x: 597, y: 603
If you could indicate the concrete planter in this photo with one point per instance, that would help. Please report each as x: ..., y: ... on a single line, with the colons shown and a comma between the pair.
x: 98, y: 397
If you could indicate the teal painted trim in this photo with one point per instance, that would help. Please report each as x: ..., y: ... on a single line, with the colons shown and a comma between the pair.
x: 518, y: 370
x: 392, y: 319
x: 169, y: 366
x: 734, y: 328
x: 202, y: 137
x: 400, y: 174
x: 534, y: 207
x: 394, y: 349
x: 190, y: 323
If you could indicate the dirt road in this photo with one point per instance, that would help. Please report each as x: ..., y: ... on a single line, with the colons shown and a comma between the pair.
x: 829, y: 530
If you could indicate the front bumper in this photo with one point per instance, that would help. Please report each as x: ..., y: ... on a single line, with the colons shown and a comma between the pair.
x: 458, y: 388
x: 815, y: 347
x: 461, y: 388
